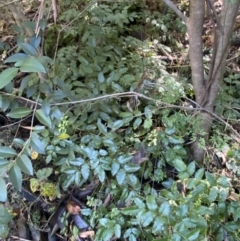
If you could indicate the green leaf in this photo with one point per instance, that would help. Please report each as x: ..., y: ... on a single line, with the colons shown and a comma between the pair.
x: 158, y: 225
x: 139, y: 202
x: 137, y: 123
x: 117, y: 230
x: 147, y: 123
x: 32, y: 65
x: 37, y: 145
x: 117, y: 124
x: 6, y: 151
x: 199, y: 174
x: 15, y: 177
x: 164, y: 209
x: 101, y: 77
x: 121, y: 176
x: 45, y: 120
x: 132, y: 210
x: 115, y: 167
x: 131, y: 167
x: 133, y: 180
x: 7, y: 76
x: 192, y: 235
x: 101, y: 174
x: 148, y: 112
x: 28, y: 49
x: 25, y: 164
x: 213, y: 194
x: 169, y: 131
x: 179, y: 164
x: 151, y: 202
x: 35, y: 41
x: 3, y: 193
x: 46, y: 106
x: 175, y: 140
x: 16, y: 57
x: 85, y: 171
x: 24, y: 83
x: 147, y: 218
x: 5, y: 216
x: 19, y: 112
x: 191, y: 168
x: 44, y: 173
x: 124, y: 159
x: 102, y: 128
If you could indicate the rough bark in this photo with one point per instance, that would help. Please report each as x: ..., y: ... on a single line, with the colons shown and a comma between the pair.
x: 223, y: 33
x: 206, y: 90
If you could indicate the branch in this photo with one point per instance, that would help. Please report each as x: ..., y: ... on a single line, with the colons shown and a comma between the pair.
x: 170, y: 4
x: 131, y: 94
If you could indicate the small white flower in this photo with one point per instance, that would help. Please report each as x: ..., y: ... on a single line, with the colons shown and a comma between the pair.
x: 154, y: 22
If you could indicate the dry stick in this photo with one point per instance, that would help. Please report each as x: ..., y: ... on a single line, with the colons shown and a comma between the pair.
x: 6, y: 4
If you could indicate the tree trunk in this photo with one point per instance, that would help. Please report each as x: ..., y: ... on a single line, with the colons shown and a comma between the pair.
x: 206, y: 90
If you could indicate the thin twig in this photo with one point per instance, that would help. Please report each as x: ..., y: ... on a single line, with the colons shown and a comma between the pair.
x: 136, y: 94
x: 170, y: 4
x: 20, y: 239
x: 6, y: 4
x: 66, y: 26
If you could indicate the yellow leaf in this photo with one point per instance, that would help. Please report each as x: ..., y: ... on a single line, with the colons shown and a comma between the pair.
x: 34, y: 184
x: 63, y: 136
x: 34, y: 155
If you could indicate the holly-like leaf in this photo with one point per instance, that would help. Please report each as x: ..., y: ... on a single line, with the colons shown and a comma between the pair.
x: 191, y: 168
x: 85, y: 171
x: 147, y: 123
x: 117, y: 230
x: 137, y: 123
x: 158, y: 225
x: 151, y: 202
x: 164, y: 209
x: 199, y: 174
x: 115, y: 167
x: 19, y: 112
x: 121, y: 175
x: 147, y: 218
x: 131, y: 167
x: 44, y: 173
x: 7, y: 76
x: 15, y: 177
x: 102, y: 128
x: 25, y: 164
x: 117, y: 124
x: 179, y: 164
